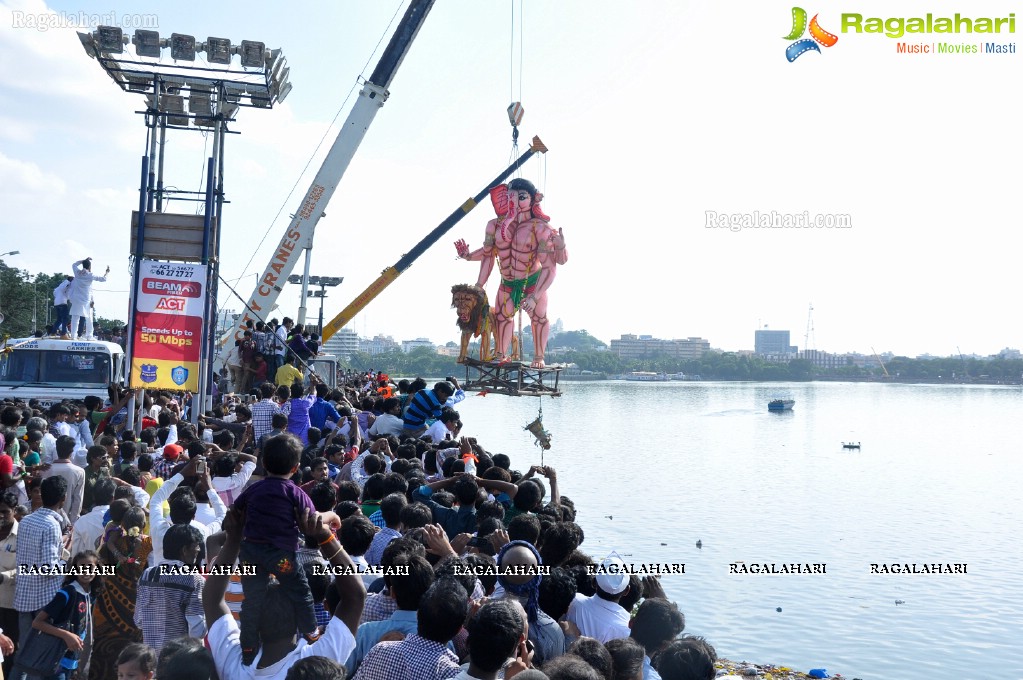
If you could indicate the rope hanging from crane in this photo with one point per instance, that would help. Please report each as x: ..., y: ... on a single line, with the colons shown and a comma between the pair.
x: 515, y: 110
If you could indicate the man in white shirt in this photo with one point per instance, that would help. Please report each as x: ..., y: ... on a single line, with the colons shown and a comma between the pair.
x: 62, y: 303
x: 389, y: 422
x: 182, y: 509
x: 88, y: 531
x: 444, y: 428
x: 81, y: 296
x: 600, y: 616
x: 72, y: 474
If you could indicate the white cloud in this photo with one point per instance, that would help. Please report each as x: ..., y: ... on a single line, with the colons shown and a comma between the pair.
x: 26, y: 180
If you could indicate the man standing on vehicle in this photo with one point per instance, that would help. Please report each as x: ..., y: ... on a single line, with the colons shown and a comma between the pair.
x: 81, y: 296
x: 62, y: 304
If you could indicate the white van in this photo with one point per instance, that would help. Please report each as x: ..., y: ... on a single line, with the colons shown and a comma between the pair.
x: 52, y: 370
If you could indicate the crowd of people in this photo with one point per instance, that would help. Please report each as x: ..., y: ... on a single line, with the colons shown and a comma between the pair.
x: 263, y: 351
x: 308, y: 533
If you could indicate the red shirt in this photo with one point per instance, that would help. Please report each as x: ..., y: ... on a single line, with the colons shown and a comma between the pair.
x: 6, y: 464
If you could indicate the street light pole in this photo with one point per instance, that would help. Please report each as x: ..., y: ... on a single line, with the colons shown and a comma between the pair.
x: 323, y: 282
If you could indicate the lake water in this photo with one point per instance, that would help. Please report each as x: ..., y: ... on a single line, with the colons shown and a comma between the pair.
x: 655, y: 467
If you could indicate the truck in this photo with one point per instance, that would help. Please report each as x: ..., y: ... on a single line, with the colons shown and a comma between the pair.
x: 53, y: 370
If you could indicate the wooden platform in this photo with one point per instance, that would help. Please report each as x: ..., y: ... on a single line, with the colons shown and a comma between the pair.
x: 512, y: 378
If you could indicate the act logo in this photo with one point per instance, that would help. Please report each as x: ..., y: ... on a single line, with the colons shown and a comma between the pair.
x: 171, y: 304
x: 803, y: 45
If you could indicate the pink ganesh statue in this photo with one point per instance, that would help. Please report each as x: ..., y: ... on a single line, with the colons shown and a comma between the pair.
x: 528, y: 252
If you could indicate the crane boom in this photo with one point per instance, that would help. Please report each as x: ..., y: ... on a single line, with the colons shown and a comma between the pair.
x: 299, y: 234
x: 886, y: 374
x: 391, y: 273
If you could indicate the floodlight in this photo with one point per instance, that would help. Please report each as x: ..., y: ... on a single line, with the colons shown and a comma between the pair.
x: 182, y: 47
x: 147, y: 43
x: 261, y: 99
x: 151, y: 101
x: 284, y: 92
x: 173, y: 84
x: 139, y: 83
x: 229, y: 110
x: 88, y: 43
x: 272, y: 58
x: 218, y: 50
x: 115, y: 72
x: 233, y: 92
x: 199, y: 102
x: 252, y: 53
x: 110, y: 39
x: 174, y: 105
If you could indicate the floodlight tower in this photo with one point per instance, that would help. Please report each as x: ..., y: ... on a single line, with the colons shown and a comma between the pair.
x: 214, y: 93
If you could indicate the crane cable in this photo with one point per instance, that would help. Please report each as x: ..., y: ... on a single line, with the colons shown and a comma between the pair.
x: 515, y: 110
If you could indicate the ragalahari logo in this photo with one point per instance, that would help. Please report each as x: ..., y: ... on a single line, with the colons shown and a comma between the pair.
x: 817, y: 35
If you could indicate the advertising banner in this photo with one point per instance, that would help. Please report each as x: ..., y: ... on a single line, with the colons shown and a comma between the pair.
x: 169, y: 310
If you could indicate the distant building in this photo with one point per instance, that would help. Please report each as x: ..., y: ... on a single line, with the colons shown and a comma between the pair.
x: 344, y: 343
x: 1008, y: 353
x: 772, y: 342
x: 381, y: 344
x: 449, y: 349
x: 826, y: 360
x: 643, y: 346
x: 409, y: 345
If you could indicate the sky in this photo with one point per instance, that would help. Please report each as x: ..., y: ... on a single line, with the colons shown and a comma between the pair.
x: 655, y: 112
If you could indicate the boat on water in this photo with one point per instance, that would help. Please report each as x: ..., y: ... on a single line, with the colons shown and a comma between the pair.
x: 850, y: 445
x: 781, y: 404
x: 646, y: 376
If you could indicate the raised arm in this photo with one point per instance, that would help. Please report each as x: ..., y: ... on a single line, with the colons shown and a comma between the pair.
x: 349, y: 584
x: 214, y: 607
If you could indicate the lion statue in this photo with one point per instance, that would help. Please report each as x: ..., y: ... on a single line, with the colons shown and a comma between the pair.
x: 473, y: 319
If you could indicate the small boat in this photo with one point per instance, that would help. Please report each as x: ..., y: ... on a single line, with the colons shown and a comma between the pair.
x: 781, y: 404
x: 850, y: 445
x: 646, y: 376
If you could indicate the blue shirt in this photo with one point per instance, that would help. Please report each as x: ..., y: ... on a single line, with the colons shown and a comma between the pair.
x: 424, y: 404
x: 456, y: 520
x: 648, y: 671
x: 370, y: 633
x: 321, y: 412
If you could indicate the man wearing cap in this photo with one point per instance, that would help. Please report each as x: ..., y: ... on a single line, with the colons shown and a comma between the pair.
x: 600, y: 616
x: 164, y: 465
x: 543, y: 631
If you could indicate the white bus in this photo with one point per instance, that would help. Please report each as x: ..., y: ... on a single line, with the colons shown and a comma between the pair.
x: 52, y: 370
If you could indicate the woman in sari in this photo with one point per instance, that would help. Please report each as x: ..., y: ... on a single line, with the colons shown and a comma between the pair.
x: 127, y: 549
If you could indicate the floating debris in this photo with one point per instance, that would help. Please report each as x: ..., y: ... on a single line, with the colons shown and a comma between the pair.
x: 664, y: 544
x: 609, y: 516
x: 699, y: 543
x: 731, y: 670
x: 900, y: 602
x: 778, y: 609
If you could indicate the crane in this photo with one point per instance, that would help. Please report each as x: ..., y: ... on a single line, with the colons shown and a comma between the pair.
x: 298, y: 236
x: 886, y: 374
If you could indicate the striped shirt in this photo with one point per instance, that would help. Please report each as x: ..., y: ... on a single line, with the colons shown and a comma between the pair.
x: 262, y: 417
x: 424, y: 404
x: 39, y: 544
x: 169, y: 606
